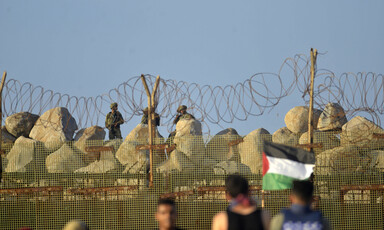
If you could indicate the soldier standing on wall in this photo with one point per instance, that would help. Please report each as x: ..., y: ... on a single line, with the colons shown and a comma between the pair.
x: 144, y: 118
x: 113, y: 121
x: 181, y: 114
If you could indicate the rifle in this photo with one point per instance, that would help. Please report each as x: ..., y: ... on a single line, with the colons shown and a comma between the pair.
x: 113, y: 121
x: 177, y: 118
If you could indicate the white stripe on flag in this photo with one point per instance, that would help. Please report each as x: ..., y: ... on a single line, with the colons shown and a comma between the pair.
x: 290, y: 168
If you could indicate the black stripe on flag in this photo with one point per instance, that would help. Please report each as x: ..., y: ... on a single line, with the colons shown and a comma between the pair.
x: 288, y: 152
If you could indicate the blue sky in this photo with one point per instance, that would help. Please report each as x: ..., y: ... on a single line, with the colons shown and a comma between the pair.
x: 86, y: 48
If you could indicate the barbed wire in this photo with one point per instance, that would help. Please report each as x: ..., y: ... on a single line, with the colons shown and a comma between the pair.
x: 357, y: 93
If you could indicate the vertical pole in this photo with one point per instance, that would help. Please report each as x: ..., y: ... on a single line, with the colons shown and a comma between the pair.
x: 153, y: 105
x: 151, y: 122
x: 149, y: 128
x: 310, y: 115
x: 1, y: 121
x: 153, y: 127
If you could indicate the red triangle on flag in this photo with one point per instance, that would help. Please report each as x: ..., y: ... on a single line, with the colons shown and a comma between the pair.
x: 265, y: 164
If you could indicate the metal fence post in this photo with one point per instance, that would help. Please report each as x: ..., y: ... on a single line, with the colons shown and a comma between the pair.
x: 1, y: 122
x: 310, y: 115
x: 151, y: 120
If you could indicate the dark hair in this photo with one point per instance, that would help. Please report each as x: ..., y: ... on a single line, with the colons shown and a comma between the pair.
x: 236, y: 185
x: 167, y: 201
x: 303, y: 190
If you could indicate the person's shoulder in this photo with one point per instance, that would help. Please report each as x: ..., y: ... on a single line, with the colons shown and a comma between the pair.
x: 221, y: 214
x: 277, y: 222
x: 109, y: 114
x: 188, y: 116
x: 278, y: 216
x: 220, y: 221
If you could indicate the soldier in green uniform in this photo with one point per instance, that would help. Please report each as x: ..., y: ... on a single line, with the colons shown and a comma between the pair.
x: 144, y: 118
x: 182, y: 114
x: 113, y: 121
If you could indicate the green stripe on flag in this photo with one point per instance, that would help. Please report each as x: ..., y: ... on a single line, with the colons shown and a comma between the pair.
x: 273, y: 181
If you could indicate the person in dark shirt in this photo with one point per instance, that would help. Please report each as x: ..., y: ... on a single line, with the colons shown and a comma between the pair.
x: 300, y: 215
x: 242, y: 213
x: 166, y: 214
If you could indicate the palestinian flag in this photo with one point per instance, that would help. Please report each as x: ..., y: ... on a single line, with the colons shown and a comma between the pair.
x: 282, y: 164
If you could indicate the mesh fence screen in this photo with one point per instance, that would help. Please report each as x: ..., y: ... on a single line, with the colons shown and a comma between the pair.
x: 105, y: 183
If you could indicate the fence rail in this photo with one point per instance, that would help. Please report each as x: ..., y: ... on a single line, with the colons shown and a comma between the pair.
x: 44, y: 188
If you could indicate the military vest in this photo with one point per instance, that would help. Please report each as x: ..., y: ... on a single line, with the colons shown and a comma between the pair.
x: 113, y: 118
x: 187, y: 116
x: 302, y: 218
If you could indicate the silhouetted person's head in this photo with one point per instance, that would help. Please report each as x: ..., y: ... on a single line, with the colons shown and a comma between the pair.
x: 166, y: 214
x: 236, y: 185
x: 302, y: 192
x: 76, y: 225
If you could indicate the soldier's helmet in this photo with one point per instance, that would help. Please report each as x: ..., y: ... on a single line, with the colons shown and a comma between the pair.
x: 114, y: 104
x: 145, y: 110
x: 181, y: 108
